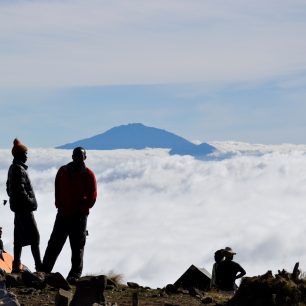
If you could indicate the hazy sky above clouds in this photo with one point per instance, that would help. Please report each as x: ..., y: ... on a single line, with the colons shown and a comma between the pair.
x: 157, y: 214
x: 206, y: 70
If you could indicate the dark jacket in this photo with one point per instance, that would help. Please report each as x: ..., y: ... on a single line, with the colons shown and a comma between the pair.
x: 226, y: 273
x: 75, y: 190
x: 22, y: 203
x: 19, y: 189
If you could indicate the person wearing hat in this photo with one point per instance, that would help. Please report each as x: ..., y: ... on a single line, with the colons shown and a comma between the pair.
x: 75, y: 195
x: 228, y: 271
x: 22, y: 203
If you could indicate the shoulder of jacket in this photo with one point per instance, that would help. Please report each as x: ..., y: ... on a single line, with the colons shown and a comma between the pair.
x: 63, y: 168
x: 16, y: 167
x: 90, y: 172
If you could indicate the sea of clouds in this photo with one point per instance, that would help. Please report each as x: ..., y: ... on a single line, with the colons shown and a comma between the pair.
x: 157, y: 214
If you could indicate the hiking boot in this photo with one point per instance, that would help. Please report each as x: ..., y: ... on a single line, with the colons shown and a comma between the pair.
x: 72, y: 280
x: 16, y: 267
x: 39, y: 267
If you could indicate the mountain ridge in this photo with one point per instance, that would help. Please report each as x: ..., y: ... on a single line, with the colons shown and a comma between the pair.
x: 138, y: 136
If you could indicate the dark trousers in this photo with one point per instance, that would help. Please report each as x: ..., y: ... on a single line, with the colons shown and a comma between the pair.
x: 73, y: 227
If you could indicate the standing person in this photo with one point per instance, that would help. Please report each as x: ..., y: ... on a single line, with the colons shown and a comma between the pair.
x: 75, y: 194
x: 228, y: 271
x: 219, y: 256
x: 22, y: 203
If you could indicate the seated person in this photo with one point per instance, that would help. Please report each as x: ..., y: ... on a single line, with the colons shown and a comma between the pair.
x: 219, y: 256
x: 228, y: 271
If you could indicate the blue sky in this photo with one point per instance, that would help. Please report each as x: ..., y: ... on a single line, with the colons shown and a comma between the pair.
x: 206, y: 70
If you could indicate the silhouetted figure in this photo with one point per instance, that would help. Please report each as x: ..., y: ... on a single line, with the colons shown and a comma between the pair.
x: 1, y: 245
x: 75, y: 194
x: 219, y: 256
x: 22, y: 203
x: 228, y: 271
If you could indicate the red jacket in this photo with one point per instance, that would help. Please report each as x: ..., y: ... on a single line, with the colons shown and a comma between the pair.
x: 75, y: 190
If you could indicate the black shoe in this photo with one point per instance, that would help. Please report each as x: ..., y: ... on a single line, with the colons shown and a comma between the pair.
x: 39, y: 268
x: 16, y: 267
x: 72, y: 280
x: 16, y: 270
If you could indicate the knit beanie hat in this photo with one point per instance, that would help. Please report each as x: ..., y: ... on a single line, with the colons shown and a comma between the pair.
x: 18, y: 147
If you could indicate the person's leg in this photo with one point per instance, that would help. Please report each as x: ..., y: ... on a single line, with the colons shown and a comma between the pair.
x: 56, y: 243
x: 36, y: 255
x: 17, y: 244
x: 17, y: 256
x: 77, y: 238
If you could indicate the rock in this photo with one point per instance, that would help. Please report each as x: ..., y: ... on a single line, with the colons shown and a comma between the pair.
x: 13, y: 280
x: 2, y: 283
x: 63, y: 298
x: 133, y: 285
x: 27, y: 291
x: 3, y: 293
x: 89, y: 290
x: 110, y: 287
x: 281, y: 290
x: 195, y: 292
x: 182, y: 291
x: 110, y: 282
x: 57, y: 280
x: 207, y: 300
x: 8, y: 299
x: 32, y: 280
x: 170, y: 289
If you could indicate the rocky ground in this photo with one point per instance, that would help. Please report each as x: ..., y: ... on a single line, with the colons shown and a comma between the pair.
x: 30, y: 291
x: 122, y: 296
x: 282, y: 289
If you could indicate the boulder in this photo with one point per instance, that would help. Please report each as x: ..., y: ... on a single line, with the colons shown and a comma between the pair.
x: 283, y: 289
x: 133, y: 285
x: 63, y: 298
x: 89, y: 290
x: 8, y: 299
x: 13, y: 280
x: 31, y: 280
x: 57, y: 280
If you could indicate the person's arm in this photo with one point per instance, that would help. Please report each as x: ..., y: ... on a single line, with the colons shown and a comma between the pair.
x: 57, y: 188
x: 241, y: 272
x: 23, y: 198
x: 91, y: 191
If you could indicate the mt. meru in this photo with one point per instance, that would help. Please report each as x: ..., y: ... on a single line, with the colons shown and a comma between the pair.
x: 138, y: 136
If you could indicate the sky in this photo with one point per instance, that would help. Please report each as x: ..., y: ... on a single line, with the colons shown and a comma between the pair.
x: 225, y: 70
x: 158, y: 214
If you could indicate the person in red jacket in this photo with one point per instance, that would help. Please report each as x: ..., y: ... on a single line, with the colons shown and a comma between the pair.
x: 75, y: 194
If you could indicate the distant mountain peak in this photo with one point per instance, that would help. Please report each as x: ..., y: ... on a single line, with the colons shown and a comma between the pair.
x: 139, y: 136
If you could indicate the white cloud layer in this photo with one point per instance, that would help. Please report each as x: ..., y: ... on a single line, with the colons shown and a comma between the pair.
x: 157, y: 214
x: 69, y: 43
